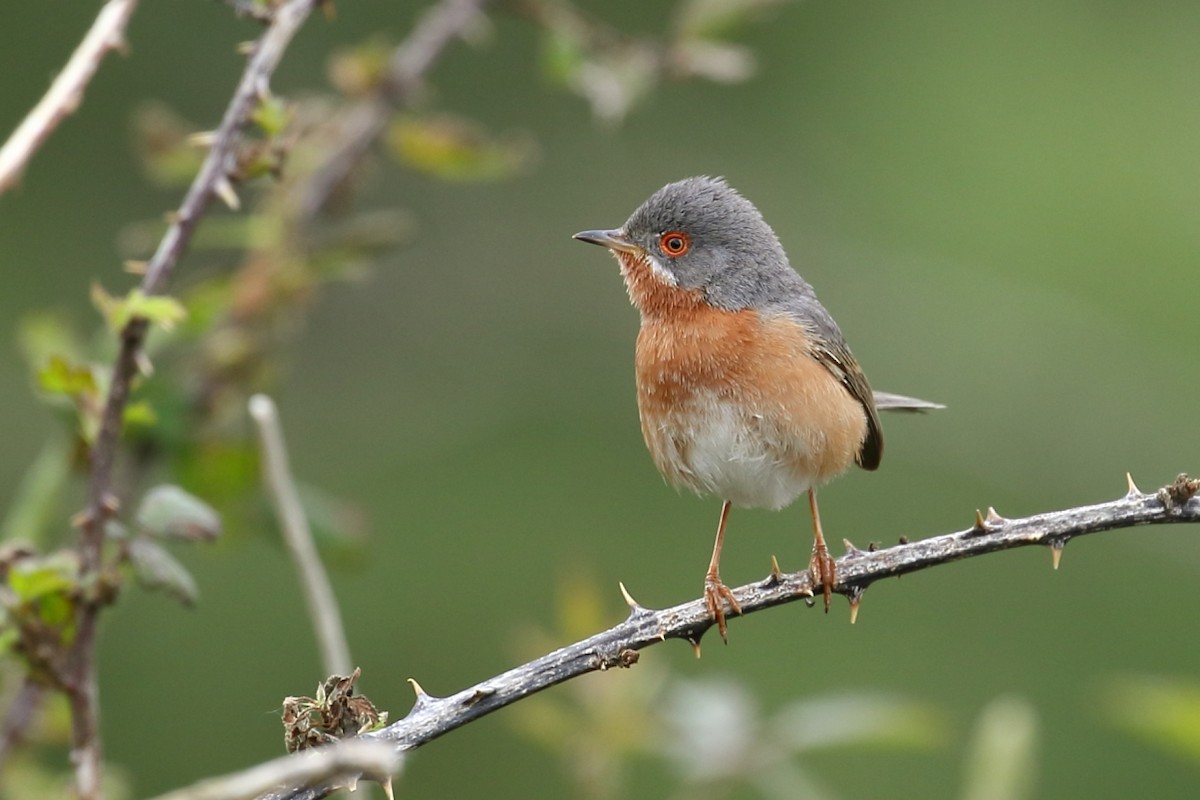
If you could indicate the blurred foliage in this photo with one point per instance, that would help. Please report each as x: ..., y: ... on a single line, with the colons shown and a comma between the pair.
x: 711, y: 732
x: 1164, y: 712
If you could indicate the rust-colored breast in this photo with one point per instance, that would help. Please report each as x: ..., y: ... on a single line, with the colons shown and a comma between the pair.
x: 732, y: 404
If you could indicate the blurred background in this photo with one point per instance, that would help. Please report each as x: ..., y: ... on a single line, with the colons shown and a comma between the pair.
x: 997, y: 201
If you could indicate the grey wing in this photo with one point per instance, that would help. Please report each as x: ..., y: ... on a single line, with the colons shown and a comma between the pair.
x: 830, y: 349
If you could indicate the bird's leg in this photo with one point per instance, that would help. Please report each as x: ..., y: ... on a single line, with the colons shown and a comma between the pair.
x: 821, y: 566
x: 714, y: 590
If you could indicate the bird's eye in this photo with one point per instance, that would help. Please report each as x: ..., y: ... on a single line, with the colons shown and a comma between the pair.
x: 675, y: 243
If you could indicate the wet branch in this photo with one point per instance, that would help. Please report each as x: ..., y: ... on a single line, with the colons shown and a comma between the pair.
x: 618, y: 646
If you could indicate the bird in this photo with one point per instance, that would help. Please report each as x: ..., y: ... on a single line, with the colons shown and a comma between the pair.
x: 746, y: 388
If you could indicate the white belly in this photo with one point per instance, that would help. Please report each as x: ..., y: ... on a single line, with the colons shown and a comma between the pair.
x: 712, y: 447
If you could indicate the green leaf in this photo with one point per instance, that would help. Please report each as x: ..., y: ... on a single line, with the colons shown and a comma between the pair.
x: 161, y: 310
x: 59, y: 376
x: 140, y: 415
x: 455, y: 149
x: 158, y: 570
x: 37, y: 578
x: 168, y: 512
x: 272, y: 115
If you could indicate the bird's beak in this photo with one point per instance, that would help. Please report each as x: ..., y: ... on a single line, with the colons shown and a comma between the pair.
x: 615, y: 240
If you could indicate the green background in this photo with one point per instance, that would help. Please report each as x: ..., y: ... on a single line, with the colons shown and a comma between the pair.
x: 997, y: 201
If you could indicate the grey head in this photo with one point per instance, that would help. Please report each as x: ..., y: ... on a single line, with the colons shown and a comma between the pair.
x: 724, y: 246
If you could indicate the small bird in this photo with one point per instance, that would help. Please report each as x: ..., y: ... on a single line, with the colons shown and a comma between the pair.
x: 746, y: 388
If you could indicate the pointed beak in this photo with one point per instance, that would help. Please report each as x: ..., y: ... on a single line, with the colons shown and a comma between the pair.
x: 615, y: 240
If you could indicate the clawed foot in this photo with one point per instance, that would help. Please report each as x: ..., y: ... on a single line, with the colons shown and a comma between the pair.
x: 714, y: 593
x: 823, y: 571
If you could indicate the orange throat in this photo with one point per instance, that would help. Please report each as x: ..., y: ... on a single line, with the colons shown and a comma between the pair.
x: 652, y: 292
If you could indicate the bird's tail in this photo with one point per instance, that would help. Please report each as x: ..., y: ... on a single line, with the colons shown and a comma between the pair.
x: 886, y: 401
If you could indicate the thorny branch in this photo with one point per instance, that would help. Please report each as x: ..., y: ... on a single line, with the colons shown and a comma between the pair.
x: 66, y: 92
x: 618, y: 646
x: 79, y: 679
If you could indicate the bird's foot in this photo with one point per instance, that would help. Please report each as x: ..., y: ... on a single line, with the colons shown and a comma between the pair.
x: 823, y: 571
x: 715, y: 595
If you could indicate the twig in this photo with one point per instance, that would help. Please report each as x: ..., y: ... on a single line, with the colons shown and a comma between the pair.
x: 22, y: 710
x: 366, y: 120
x: 80, y: 673
x: 322, y: 603
x: 66, y: 92
x: 432, y: 717
x: 340, y: 764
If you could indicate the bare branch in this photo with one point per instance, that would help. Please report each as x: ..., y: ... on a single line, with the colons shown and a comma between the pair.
x: 341, y: 765
x: 66, y: 92
x: 322, y: 603
x: 80, y: 673
x: 431, y: 717
x: 365, y: 121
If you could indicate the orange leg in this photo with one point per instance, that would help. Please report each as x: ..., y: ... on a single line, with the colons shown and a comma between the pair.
x: 714, y: 590
x: 821, y: 566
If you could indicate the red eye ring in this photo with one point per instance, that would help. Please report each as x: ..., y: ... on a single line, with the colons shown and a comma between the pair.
x: 674, y: 243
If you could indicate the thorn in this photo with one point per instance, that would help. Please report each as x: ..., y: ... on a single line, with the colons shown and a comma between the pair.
x: 809, y: 601
x: 1056, y: 548
x: 246, y: 48
x: 224, y: 190
x: 421, y: 693
x: 1132, y: 489
x: 855, y: 597
x: 172, y: 217
x: 695, y: 643
x: 851, y: 550
x: 386, y: 785
x: 144, y: 365
x: 776, y: 573
x: 202, y: 139
x: 993, y: 518
x: 134, y: 267
x: 980, y: 523
x: 629, y: 601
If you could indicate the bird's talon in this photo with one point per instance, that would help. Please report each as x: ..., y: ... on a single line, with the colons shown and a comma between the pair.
x: 823, y: 571
x: 715, y: 595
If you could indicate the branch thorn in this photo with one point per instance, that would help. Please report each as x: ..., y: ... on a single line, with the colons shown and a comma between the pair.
x: 855, y: 597
x: 980, y: 523
x: 993, y: 518
x: 422, y: 695
x: 695, y: 643
x: 629, y: 601
x: 1132, y: 489
x: 223, y: 189
x: 851, y: 550
x: 776, y: 574
x: 1056, y: 549
x: 202, y: 139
